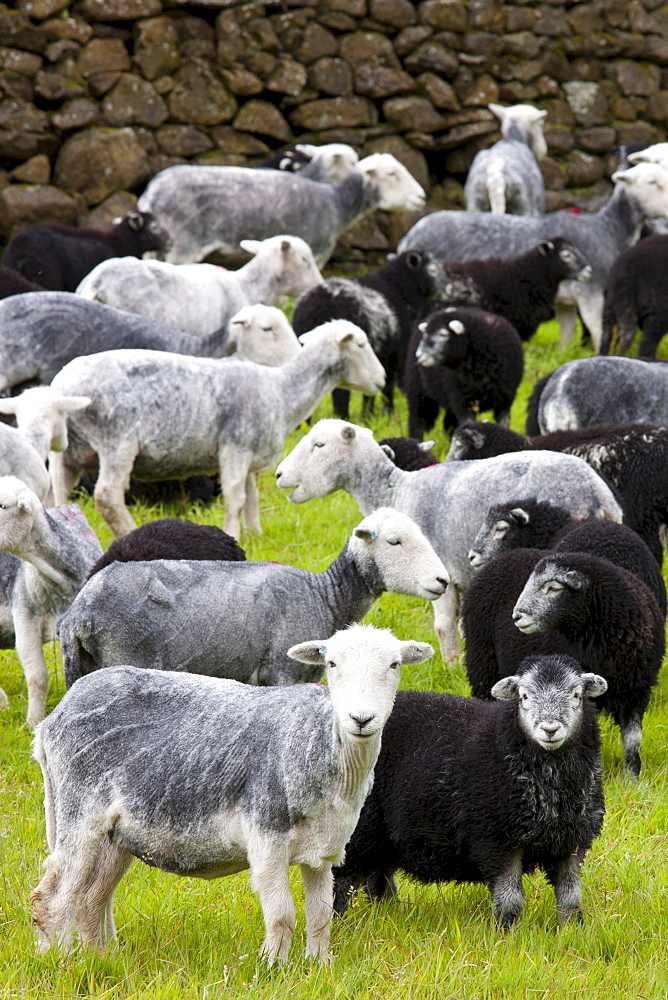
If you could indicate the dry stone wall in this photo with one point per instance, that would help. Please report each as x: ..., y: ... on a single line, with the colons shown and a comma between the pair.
x: 97, y: 96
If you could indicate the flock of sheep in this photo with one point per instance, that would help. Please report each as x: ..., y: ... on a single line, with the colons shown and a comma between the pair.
x: 117, y: 363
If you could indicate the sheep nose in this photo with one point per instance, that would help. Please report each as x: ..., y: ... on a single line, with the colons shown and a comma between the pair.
x: 278, y: 474
x: 362, y: 720
x: 517, y: 614
x: 443, y: 580
x: 549, y: 728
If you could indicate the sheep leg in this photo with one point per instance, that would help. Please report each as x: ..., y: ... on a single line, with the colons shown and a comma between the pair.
x: 341, y: 403
x: 631, y: 739
x: 445, y: 623
x: 422, y: 415
x: 318, y: 908
x: 566, y: 316
x: 252, y: 504
x: 344, y: 889
x: 381, y: 885
x: 271, y: 881
x: 28, y: 633
x: 565, y: 878
x: 590, y: 306
x: 234, y: 466
x: 112, y: 482
x: 653, y: 330
x: 94, y: 917
x: 507, y: 892
x: 63, y: 478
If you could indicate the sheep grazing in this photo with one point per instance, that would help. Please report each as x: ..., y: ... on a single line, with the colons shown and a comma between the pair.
x: 448, y: 501
x: 171, y: 538
x: 384, y: 304
x: 600, y: 237
x: 506, y: 177
x: 202, y: 298
x: 262, y: 334
x: 461, y: 360
x: 209, y: 209
x: 635, y: 297
x: 225, y: 416
x: 329, y: 163
x: 408, y: 453
x: 41, y: 332
x: 238, y: 787
x: 59, y: 257
x: 45, y: 553
x: 13, y: 283
x: 469, y: 791
x: 160, y: 614
x: 522, y: 290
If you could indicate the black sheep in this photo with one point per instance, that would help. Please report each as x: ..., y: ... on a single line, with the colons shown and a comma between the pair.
x: 13, y: 283
x: 468, y: 791
x: 385, y: 304
x: 632, y: 458
x: 461, y: 359
x: 58, y: 257
x: 410, y: 454
x: 636, y: 296
x: 521, y: 290
x: 598, y: 612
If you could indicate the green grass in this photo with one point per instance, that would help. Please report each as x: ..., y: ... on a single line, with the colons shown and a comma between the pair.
x: 185, y: 939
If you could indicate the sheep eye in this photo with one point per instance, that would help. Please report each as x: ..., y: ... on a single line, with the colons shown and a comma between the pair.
x: 395, y: 665
x: 525, y: 697
x: 319, y: 444
x: 330, y: 664
x: 4, y: 506
x: 394, y: 541
x: 552, y: 587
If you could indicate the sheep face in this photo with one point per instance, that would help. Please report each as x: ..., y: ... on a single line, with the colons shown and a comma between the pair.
x: 547, y: 597
x: 154, y: 237
x: 647, y: 183
x: 400, y: 554
x: 18, y: 508
x: 317, y: 465
x: 290, y: 259
x: 657, y: 153
x: 394, y: 188
x: 550, y: 693
x: 262, y: 334
x: 573, y: 266
x: 443, y: 342
x: 360, y: 368
x: 498, y: 532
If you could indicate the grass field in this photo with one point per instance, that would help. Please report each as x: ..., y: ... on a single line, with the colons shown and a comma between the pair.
x: 183, y: 939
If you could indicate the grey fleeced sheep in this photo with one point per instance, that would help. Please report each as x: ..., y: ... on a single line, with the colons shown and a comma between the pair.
x: 448, y: 501
x: 600, y: 237
x: 216, y: 777
x: 469, y: 791
x: 461, y: 360
x: 506, y: 177
x: 58, y: 257
x: 209, y: 209
x: 45, y: 553
x: 229, y: 416
x: 202, y: 298
x: 636, y: 296
x: 238, y: 619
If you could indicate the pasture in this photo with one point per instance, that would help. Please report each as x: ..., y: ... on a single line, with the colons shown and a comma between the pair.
x: 183, y: 939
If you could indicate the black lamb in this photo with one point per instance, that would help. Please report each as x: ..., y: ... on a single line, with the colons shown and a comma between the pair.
x: 410, y: 454
x: 636, y: 296
x: 13, y: 283
x: 470, y: 791
x: 171, y: 538
x: 461, y: 360
x: 58, y: 257
x: 523, y: 289
x: 605, y: 616
x: 632, y: 458
x: 385, y: 304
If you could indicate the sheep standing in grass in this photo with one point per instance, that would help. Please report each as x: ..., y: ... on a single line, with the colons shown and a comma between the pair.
x: 506, y: 177
x: 209, y: 209
x: 447, y: 505
x: 237, y: 619
x: 468, y: 791
x: 202, y: 298
x: 205, y: 777
x: 160, y: 416
x: 636, y: 296
x: 45, y: 554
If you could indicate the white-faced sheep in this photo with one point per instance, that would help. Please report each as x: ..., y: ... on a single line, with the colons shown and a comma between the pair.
x: 448, y: 507
x: 45, y: 553
x: 469, y: 791
x: 216, y: 778
x: 262, y: 334
x: 209, y: 209
x: 506, y: 177
x: 635, y: 296
x: 58, y: 257
x: 229, y: 416
x: 237, y: 619
x: 600, y: 237
x: 329, y: 163
x: 461, y: 360
x: 201, y: 298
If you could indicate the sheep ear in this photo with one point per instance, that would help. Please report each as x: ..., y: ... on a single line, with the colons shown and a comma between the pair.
x: 541, y: 116
x: 593, y: 685
x: 250, y: 246
x: 135, y: 221
x: 70, y: 404
x: 23, y: 502
x: 415, y: 652
x: 344, y: 335
x: 519, y: 516
x: 545, y: 248
x: 368, y: 534
x: 422, y: 327
x: 507, y: 689
x: 348, y: 432
x: 575, y: 580
x: 476, y: 437
x: 498, y: 110
x: 388, y: 451
x: 426, y: 445
x: 286, y: 246
x: 309, y: 652
x: 8, y: 405
x: 456, y: 326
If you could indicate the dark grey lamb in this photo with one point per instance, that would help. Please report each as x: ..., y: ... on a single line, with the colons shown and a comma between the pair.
x: 470, y: 791
x: 636, y: 296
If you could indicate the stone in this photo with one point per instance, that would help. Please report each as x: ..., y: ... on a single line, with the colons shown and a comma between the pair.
x: 199, y: 97
x: 100, y: 83
x: 36, y: 170
x: 583, y: 169
x: 409, y: 38
x: 413, y: 113
x: 158, y: 60
x: 41, y: 9
x: 347, y: 112
x: 262, y: 118
x: 636, y: 78
x: 26, y: 63
x: 289, y: 77
x: 559, y: 138
x: 182, y: 140
x: 19, y: 145
x: 28, y: 38
x: 368, y: 47
x: 444, y: 15
x: 316, y: 43
x: 155, y: 31
x: 241, y: 82
x: 554, y: 177
x: 133, y: 101
x: 261, y: 63
x: 484, y: 90
x: 115, y: 206
x: 396, y: 13
x: 440, y: 93
x: 22, y: 116
x: 96, y: 162
x: 551, y: 22
x: 235, y: 143
x: 435, y: 56
x: 118, y: 10
x: 599, y: 139
x: 67, y: 27
x: 62, y: 50
x: 519, y: 19
x: 657, y: 106
x: 515, y: 92
x: 331, y: 76
x: 355, y: 8
x: 586, y: 101
x: 103, y: 55
x: 216, y: 158
x: 461, y: 134
x: 21, y: 204
x: 636, y: 132
x: 55, y: 87
x: 523, y: 44
x: 15, y: 86
x: 486, y: 15
x: 365, y: 234
x: 381, y: 81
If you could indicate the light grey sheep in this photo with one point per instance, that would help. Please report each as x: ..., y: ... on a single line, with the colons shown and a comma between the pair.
x: 238, y: 619
x: 448, y: 501
x: 262, y: 334
x: 160, y: 416
x: 506, y: 177
x: 206, y: 777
